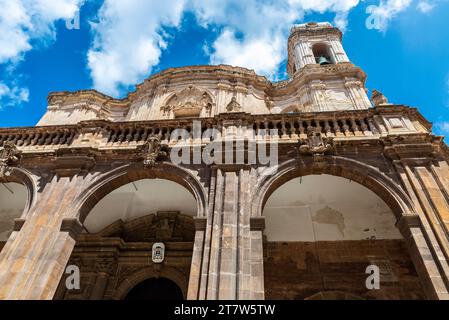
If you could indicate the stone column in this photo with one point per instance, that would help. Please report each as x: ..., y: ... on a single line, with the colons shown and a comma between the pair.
x: 33, y: 262
x: 99, y: 287
x: 428, y: 237
x: 304, y: 55
x: 338, y: 51
x: 195, y: 269
x: 357, y: 94
x: 434, y: 285
x: 104, y: 268
x: 227, y: 263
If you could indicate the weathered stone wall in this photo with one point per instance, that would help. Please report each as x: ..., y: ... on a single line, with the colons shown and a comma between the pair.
x: 110, y: 268
x: 298, y: 270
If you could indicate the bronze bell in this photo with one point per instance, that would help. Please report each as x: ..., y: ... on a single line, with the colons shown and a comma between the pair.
x: 323, y: 60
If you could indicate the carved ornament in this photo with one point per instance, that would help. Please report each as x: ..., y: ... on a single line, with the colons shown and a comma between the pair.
x: 152, y: 151
x: 9, y: 156
x: 316, y: 145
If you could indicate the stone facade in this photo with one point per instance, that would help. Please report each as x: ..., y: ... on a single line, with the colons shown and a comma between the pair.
x: 88, y: 144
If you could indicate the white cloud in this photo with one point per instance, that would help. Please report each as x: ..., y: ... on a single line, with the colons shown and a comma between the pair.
x: 425, y: 6
x: 25, y: 24
x: 25, y: 21
x: 258, y: 54
x: 12, y: 95
x: 442, y: 127
x: 381, y: 15
x: 129, y: 36
x: 128, y: 39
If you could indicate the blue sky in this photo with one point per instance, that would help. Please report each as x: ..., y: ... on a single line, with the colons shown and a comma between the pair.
x: 120, y: 43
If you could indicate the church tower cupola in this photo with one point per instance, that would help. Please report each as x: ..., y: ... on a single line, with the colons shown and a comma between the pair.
x: 314, y: 43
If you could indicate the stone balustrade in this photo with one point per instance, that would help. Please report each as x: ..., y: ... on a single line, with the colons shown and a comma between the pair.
x: 359, y: 124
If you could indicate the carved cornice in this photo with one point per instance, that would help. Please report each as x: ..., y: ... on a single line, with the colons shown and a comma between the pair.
x: 72, y: 226
x: 70, y: 161
x: 411, y: 148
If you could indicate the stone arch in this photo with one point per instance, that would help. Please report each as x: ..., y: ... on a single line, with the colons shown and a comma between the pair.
x: 23, y: 177
x: 377, y: 182
x: 133, y: 172
x: 170, y: 273
x: 385, y: 187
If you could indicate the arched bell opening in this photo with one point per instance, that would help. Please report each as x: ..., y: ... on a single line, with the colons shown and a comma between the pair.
x: 322, y: 54
x: 323, y: 231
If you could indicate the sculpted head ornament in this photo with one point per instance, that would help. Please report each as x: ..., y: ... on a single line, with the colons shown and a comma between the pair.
x: 9, y: 156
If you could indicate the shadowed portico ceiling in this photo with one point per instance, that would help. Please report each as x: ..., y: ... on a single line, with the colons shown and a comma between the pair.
x: 327, y: 208
x: 138, y: 199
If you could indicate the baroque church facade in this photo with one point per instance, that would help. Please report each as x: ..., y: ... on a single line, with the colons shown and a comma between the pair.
x: 353, y: 184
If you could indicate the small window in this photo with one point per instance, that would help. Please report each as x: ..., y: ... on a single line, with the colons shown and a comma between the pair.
x: 322, y: 54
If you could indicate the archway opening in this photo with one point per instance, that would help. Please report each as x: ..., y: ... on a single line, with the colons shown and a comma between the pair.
x: 159, y: 289
x: 13, y: 199
x: 138, y: 199
x: 115, y: 251
x: 323, y: 231
x: 322, y: 54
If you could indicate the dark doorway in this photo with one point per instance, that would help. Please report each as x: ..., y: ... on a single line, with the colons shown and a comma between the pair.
x: 156, y: 289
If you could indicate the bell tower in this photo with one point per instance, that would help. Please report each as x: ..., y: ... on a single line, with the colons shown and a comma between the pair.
x: 317, y: 59
x: 314, y: 43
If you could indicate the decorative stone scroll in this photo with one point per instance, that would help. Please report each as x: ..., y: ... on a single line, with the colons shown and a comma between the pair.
x: 378, y: 98
x: 316, y: 145
x: 269, y: 102
x: 9, y: 156
x: 152, y: 151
